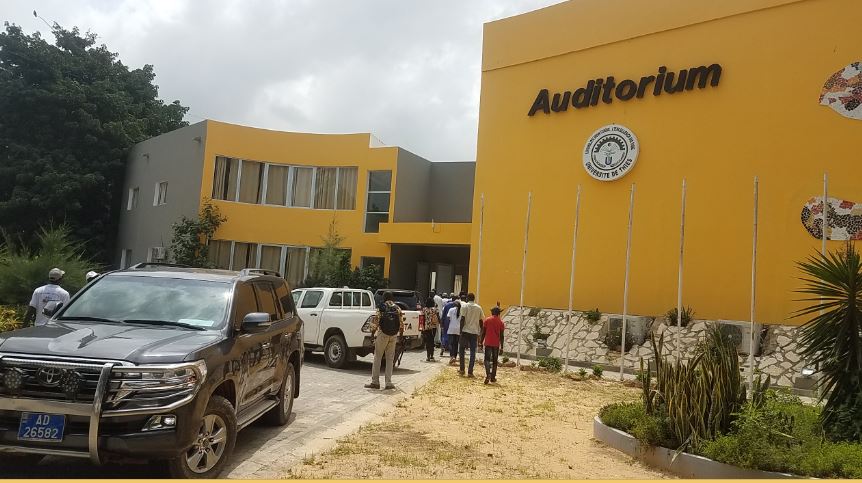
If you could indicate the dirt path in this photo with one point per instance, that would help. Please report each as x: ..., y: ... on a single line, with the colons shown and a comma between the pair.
x: 529, y: 425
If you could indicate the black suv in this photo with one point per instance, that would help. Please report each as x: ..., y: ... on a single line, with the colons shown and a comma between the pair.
x: 155, y: 362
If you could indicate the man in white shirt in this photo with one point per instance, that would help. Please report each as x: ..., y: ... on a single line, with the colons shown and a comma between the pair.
x: 52, y: 292
x: 471, y: 325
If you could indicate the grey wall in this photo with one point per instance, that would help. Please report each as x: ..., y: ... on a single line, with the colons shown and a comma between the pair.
x: 453, y: 191
x: 412, y: 188
x: 175, y: 157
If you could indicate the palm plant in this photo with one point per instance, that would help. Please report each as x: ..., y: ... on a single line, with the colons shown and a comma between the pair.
x: 832, y: 338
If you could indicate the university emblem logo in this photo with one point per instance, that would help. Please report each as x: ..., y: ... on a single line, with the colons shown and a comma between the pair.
x: 610, y: 152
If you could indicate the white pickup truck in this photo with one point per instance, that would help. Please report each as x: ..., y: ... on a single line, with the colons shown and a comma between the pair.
x: 337, y: 321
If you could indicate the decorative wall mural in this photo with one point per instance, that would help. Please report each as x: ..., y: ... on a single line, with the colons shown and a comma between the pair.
x: 844, y: 217
x: 843, y: 91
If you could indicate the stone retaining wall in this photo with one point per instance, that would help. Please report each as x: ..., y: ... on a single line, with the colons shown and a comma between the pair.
x: 777, y: 355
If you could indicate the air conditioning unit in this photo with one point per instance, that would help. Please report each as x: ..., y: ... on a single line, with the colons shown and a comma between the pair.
x: 157, y: 254
x: 740, y: 334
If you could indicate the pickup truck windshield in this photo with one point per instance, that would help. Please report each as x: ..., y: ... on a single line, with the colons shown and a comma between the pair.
x: 172, y: 301
x: 406, y: 299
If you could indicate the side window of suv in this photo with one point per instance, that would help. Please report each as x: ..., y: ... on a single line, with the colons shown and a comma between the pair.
x: 266, y: 300
x: 287, y: 299
x: 311, y: 299
x: 245, y: 302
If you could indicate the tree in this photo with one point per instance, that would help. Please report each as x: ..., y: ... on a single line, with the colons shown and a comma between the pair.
x: 69, y: 113
x: 22, y: 270
x: 191, y: 238
x: 330, y: 265
x: 832, y: 338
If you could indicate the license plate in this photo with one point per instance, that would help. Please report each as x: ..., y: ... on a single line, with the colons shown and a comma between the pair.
x: 41, y: 427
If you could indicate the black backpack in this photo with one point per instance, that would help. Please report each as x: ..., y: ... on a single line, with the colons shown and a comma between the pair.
x: 390, y: 320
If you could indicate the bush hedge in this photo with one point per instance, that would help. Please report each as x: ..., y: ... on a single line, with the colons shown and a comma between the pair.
x: 11, y: 317
x: 779, y: 433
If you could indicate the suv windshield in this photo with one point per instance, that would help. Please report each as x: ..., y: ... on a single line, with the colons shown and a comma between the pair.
x: 198, y: 303
x: 406, y: 299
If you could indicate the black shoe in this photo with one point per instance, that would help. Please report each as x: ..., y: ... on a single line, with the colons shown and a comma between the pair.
x: 493, y: 379
x: 486, y: 380
x: 470, y: 375
x: 432, y: 359
x: 372, y: 386
x: 390, y: 386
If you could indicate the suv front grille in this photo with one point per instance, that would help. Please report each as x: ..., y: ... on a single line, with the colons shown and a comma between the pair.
x: 62, y: 379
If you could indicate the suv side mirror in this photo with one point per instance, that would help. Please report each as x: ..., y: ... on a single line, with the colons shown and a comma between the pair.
x: 256, y: 322
x: 52, y: 308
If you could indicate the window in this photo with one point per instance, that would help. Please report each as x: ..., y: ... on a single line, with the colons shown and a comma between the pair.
x: 294, y: 271
x: 270, y: 258
x: 366, y: 300
x: 346, y: 189
x: 133, y: 199
x: 336, y: 299
x: 224, y: 179
x: 373, y: 262
x: 250, y: 178
x: 161, y: 195
x: 287, y: 300
x: 324, y: 188
x: 276, y: 184
x: 266, y: 300
x: 300, y: 191
x: 219, y: 253
x: 311, y: 299
x: 377, y: 206
x: 244, y: 255
x: 245, y: 302
x: 296, y: 294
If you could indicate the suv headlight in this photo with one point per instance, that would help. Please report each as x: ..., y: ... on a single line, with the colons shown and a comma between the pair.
x: 156, y: 385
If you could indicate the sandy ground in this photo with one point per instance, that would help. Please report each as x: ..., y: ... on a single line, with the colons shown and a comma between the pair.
x: 529, y: 425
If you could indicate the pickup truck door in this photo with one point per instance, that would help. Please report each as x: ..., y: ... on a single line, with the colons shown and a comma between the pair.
x: 310, y: 308
x: 345, y: 311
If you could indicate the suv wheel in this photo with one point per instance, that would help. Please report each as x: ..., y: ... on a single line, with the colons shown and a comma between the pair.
x: 335, y: 351
x: 280, y: 414
x: 207, y: 456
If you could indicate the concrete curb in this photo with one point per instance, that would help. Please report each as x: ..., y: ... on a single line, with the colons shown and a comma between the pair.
x: 685, y: 465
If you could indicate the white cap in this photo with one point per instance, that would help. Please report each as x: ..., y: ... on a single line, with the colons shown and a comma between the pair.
x: 55, y: 274
x: 91, y: 275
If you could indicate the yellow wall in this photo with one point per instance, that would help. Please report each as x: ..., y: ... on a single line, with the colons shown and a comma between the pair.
x: 297, y: 226
x: 762, y: 119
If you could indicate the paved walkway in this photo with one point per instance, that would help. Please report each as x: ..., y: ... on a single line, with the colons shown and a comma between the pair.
x: 332, y: 404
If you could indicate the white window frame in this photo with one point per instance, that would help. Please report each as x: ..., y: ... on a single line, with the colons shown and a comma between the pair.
x: 157, y: 191
x: 134, y: 194
x: 368, y: 194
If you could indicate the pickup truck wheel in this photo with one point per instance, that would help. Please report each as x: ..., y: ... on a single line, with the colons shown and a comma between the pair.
x: 208, y: 455
x: 280, y: 414
x: 335, y: 351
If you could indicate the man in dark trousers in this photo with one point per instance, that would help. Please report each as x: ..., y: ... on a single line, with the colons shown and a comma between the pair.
x: 492, y: 338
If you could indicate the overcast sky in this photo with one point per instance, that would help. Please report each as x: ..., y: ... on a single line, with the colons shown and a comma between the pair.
x: 407, y: 71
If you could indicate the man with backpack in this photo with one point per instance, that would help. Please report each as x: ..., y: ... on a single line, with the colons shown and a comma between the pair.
x: 390, y: 321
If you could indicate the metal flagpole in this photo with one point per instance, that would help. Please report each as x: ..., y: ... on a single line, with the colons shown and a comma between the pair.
x: 524, y: 275
x: 824, y: 226
x: 479, y: 250
x: 572, y: 277
x: 679, y: 276
x: 753, y: 291
x: 626, y: 286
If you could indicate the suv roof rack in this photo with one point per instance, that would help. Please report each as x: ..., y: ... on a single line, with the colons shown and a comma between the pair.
x: 156, y: 264
x: 258, y: 271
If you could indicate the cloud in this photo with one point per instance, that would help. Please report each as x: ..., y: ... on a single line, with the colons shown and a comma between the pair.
x: 407, y: 71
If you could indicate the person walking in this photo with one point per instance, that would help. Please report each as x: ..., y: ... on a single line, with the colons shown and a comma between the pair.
x: 390, y: 322
x: 432, y: 321
x: 453, y: 313
x: 52, y: 292
x: 471, y: 325
x: 444, y: 325
x: 492, y: 338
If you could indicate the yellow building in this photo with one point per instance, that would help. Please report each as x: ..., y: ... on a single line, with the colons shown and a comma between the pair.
x: 281, y: 192
x: 753, y: 104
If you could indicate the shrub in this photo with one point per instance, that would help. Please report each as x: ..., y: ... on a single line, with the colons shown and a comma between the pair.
x: 633, y: 419
x: 22, y: 270
x: 687, y: 316
x: 582, y: 372
x: 191, y: 238
x: 832, y: 338
x: 593, y: 315
x: 552, y: 364
x: 11, y: 317
x: 505, y: 359
x: 614, y: 339
x: 597, y: 371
